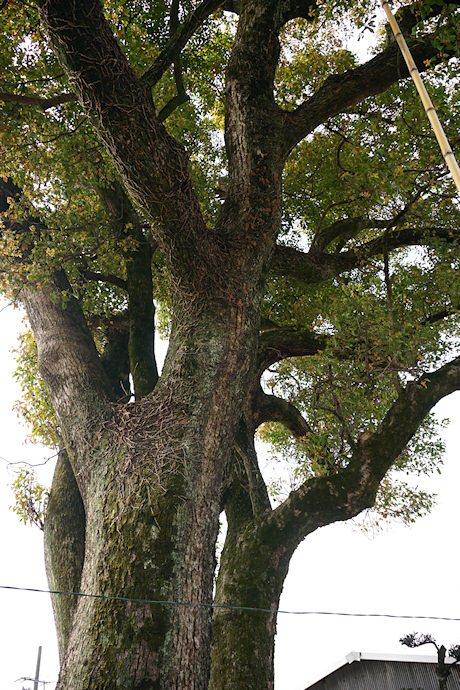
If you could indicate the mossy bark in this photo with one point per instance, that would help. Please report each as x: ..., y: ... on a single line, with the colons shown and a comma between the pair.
x: 151, y: 482
x: 64, y: 533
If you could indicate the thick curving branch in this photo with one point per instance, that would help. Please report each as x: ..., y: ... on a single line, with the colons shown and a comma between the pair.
x: 309, y: 267
x: 176, y: 101
x: 345, y: 229
x: 315, y: 266
x: 342, y: 91
x: 270, y: 408
x: 259, y: 552
x: 343, y: 495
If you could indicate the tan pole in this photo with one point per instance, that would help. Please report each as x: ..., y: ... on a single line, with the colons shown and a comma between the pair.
x: 427, y: 104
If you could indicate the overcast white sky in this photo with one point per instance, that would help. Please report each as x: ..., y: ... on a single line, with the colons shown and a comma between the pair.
x: 404, y: 571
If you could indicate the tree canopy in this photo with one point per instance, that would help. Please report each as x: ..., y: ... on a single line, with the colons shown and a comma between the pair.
x: 234, y: 175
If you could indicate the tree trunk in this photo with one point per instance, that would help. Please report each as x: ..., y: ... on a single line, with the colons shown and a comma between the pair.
x: 152, y: 516
x: 251, y: 575
x: 150, y: 475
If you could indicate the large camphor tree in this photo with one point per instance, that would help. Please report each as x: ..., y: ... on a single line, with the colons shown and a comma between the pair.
x: 285, y: 210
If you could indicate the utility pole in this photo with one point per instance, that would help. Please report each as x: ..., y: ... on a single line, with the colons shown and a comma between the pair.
x: 37, y: 670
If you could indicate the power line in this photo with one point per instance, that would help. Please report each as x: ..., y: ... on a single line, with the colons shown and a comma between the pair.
x: 230, y: 607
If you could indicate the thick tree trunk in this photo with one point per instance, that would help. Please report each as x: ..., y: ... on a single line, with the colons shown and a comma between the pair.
x: 251, y: 575
x: 151, y: 476
x: 152, y: 515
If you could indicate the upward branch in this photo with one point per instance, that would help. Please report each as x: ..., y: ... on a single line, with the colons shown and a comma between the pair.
x: 342, y: 91
x: 153, y: 166
x: 179, y: 39
x: 322, y: 500
x: 68, y: 361
x: 125, y: 223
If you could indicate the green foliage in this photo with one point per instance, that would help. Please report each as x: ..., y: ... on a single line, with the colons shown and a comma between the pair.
x: 309, y: 54
x: 345, y: 390
x: 31, y: 499
x: 376, y: 162
x: 35, y: 405
x: 389, y: 320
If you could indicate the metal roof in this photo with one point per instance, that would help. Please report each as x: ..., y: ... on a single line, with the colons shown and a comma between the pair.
x: 373, y: 656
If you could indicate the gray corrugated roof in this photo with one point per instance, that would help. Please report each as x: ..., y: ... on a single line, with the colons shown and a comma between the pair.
x: 389, y: 667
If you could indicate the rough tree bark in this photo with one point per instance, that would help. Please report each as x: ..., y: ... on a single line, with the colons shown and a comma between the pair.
x: 140, y: 486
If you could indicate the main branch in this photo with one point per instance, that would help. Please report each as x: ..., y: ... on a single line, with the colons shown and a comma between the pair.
x: 317, y: 266
x: 153, y: 166
x: 342, y: 91
x: 68, y: 360
x: 352, y: 489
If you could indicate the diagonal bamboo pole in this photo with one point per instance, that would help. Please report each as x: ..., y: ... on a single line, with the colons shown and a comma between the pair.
x: 427, y: 104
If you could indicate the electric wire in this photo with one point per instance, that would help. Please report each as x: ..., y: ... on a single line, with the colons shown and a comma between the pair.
x: 230, y: 607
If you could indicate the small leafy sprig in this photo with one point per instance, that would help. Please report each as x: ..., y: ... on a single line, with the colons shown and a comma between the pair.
x: 31, y: 498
